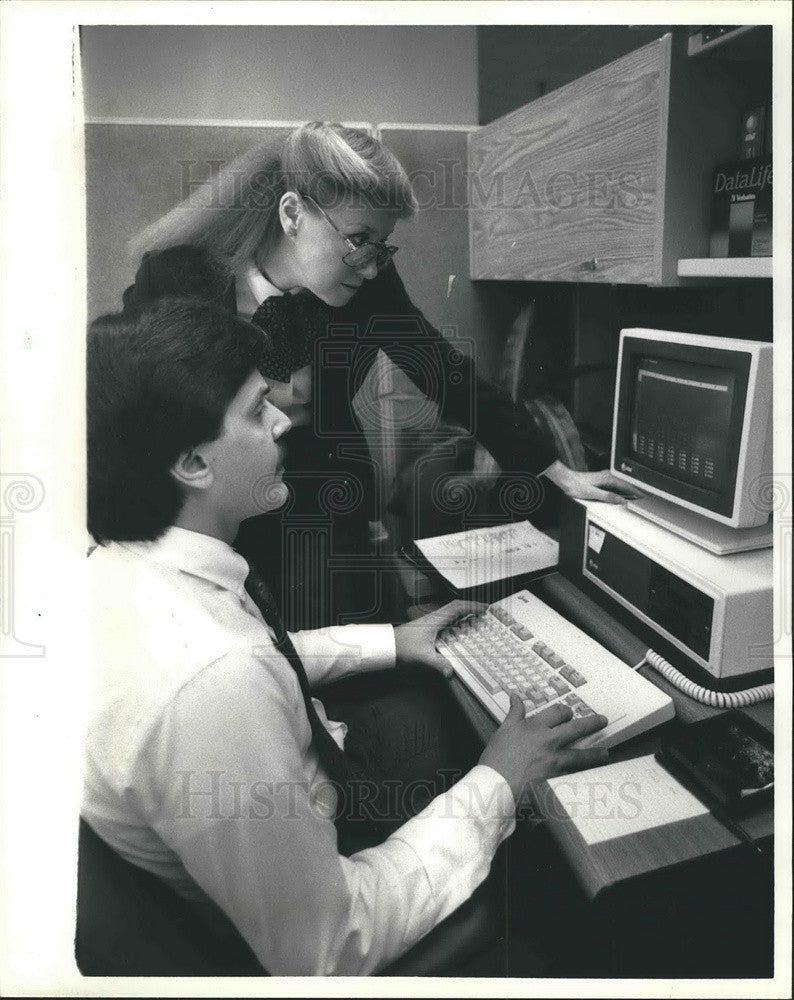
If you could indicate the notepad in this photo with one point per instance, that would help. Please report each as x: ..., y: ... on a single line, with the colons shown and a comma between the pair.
x: 623, y: 798
x: 483, y: 555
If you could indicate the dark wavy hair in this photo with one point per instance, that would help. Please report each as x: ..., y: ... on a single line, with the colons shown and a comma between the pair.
x: 159, y: 381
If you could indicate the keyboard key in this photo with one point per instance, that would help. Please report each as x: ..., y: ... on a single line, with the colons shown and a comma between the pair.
x: 578, y: 707
x: 501, y: 615
x: 522, y: 632
x: 543, y: 651
x: 573, y: 676
x: 484, y: 678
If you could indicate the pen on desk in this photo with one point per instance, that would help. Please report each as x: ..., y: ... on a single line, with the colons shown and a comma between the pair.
x: 717, y: 811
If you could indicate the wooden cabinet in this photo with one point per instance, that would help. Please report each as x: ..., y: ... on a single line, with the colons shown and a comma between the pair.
x: 606, y: 179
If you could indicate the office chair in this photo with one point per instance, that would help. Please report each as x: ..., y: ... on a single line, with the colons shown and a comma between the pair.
x: 130, y: 923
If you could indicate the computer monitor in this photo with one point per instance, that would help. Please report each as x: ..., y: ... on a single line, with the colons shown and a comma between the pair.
x: 692, y: 430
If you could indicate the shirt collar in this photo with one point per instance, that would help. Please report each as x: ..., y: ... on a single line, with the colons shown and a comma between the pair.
x: 197, y: 555
x: 253, y: 288
x: 256, y: 284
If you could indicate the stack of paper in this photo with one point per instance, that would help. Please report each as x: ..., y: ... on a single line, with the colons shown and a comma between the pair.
x: 482, y: 555
x: 624, y: 798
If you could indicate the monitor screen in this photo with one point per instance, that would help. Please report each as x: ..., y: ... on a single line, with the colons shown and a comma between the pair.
x: 680, y: 420
x: 679, y: 417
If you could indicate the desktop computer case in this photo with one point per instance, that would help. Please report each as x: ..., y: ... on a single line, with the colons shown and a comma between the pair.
x: 715, y: 610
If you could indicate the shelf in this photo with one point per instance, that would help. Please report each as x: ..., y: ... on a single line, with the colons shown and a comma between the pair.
x: 725, y: 267
x: 748, y: 41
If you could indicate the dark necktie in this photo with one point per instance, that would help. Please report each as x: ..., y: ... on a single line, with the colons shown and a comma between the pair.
x: 332, y: 758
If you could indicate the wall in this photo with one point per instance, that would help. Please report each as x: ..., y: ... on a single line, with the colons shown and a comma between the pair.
x: 423, y: 75
x: 212, y: 84
x: 581, y: 323
x: 518, y: 63
x: 365, y: 74
x: 260, y: 72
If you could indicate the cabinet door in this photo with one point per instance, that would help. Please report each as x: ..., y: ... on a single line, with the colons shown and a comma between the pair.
x: 571, y: 186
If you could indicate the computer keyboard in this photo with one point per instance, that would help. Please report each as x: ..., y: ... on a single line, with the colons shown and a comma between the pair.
x: 521, y: 644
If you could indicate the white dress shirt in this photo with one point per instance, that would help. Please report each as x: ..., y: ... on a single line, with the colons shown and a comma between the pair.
x: 199, y: 768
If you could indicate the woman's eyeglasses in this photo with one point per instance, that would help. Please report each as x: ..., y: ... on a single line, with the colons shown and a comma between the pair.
x: 363, y: 254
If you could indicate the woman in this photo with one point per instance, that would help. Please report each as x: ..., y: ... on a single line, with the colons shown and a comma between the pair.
x: 299, y: 241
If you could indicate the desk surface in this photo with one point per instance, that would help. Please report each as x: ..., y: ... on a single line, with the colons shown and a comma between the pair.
x: 602, y: 866
x: 660, y: 903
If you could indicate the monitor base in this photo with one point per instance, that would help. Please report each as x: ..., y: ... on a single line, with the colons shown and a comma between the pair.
x: 711, y: 535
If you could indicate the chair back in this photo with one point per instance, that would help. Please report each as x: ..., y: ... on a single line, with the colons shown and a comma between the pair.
x: 130, y: 923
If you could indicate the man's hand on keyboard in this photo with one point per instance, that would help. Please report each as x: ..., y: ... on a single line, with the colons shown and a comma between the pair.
x: 415, y: 642
x: 525, y: 749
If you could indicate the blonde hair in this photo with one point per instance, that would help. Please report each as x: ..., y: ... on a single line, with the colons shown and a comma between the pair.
x: 237, y: 212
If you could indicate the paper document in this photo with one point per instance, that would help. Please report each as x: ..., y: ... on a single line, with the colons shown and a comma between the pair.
x: 623, y: 798
x: 482, y: 555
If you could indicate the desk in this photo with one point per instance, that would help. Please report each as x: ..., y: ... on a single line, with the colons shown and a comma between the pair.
x: 687, y: 899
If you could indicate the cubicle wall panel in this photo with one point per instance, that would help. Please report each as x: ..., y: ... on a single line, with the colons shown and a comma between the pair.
x: 433, y: 262
x: 137, y: 172
x: 434, y: 258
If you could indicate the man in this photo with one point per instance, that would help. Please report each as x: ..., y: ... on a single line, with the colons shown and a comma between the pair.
x: 208, y: 762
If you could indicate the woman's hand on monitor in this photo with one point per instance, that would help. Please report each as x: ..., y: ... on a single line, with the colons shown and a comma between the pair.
x: 600, y: 485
